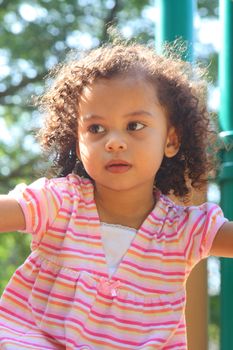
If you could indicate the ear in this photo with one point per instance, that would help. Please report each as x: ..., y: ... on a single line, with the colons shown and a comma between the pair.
x: 172, y: 144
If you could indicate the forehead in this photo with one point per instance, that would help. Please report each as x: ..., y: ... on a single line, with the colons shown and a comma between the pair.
x: 119, y: 97
x: 136, y: 89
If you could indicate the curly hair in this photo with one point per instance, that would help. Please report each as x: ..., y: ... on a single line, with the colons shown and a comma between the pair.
x: 181, y: 89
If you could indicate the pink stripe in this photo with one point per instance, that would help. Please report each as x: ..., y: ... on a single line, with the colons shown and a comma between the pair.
x: 163, y: 235
x: 176, y: 345
x: 29, y: 343
x: 122, y: 321
x: 160, y: 272
x: 48, y: 315
x: 73, y: 271
x: 157, y: 251
x: 76, y: 197
x: 27, y: 280
x: 70, y: 194
x: 191, y: 236
x: 62, y: 297
x: 87, y: 202
x: 106, y: 336
x: 159, y: 235
x: 150, y: 303
x: 134, y: 323
x: 170, y: 220
x: 140, y: 287
x: 206, y: 227
x: 69, y: 229
x: 57, y: 229
x: 37, y: 209
x: 57, y: 296
x: 66, y: 211
x: 19, y: 317
x: 182, y: 223
x: 87, y: 218
x: 64, y: 249
x: 143, y: 229
x: 17, y: 331
x: 57, y: 194
x: 20, y: 296
x: 83, y: 235
x: 101, y: 255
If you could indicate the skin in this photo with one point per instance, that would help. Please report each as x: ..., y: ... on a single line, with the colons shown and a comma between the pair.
x: 122, y: 120
x: 121, y: 132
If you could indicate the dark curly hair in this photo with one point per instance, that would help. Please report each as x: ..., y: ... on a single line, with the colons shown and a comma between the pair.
x: 181, y: 89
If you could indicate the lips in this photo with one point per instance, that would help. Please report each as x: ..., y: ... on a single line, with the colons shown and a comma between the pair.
x: 118, y: 166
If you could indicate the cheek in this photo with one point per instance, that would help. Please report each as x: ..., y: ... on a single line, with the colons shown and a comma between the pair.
x: 88, y: 154
x: 82, y: 149
x: 85, y: 156
x: 84, y: 152
x: 152, y: 153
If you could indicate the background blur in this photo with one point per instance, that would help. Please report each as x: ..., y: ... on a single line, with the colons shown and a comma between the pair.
x: 35, y: 36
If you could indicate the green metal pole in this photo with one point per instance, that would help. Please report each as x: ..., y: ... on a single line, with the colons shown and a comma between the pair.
x: 226, y: 174
x: 176, y: 21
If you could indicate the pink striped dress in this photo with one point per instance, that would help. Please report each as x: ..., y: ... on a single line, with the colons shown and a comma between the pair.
x: 61, y: 297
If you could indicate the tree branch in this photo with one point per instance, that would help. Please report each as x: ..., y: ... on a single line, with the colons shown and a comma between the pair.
x: 11, y: 90
x: 110, y: 19
x: 19, y: 171
x: 5, y: 4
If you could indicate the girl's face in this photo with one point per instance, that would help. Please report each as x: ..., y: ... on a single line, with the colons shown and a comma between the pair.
x: 123, y: 133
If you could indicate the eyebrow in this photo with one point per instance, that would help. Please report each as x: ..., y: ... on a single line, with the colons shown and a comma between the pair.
x: 140, y: 112
x: 90, y: 116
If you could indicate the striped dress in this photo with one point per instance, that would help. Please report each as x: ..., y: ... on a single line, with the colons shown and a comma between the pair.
x: 62, y: 297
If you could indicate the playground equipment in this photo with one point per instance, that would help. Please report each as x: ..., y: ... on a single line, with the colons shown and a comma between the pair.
x: 176, y: 20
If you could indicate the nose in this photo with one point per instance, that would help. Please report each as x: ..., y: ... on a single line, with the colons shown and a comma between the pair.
x: 115, y: 143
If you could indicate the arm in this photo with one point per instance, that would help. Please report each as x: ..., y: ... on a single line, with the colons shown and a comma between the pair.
x: 11, y: 215
x: 223, y: 242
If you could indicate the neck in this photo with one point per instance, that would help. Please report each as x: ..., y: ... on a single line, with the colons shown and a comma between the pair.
x: 127, y: 208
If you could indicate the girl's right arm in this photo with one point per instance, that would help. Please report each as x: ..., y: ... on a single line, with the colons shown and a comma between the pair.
x: 11, y: 215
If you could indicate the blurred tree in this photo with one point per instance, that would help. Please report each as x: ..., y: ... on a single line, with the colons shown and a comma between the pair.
x: 34, y: 36
x: 208, y: 8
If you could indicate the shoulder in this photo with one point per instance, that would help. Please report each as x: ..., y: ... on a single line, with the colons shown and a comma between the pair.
x: 206, y: 208
x: 204, y: 212
x: 192, y: 214
x: 71, y: 181
x: 72, y: 185
x: 195, y: 227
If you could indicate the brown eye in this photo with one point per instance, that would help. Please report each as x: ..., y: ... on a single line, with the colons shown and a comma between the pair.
x: 96, y: 128
x: 135, y: 126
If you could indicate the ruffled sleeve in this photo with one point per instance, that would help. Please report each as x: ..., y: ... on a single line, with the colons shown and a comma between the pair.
x: 198, y: 227
x: 40, y: 203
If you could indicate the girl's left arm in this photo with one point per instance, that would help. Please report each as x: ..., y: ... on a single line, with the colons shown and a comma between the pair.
x: 223, y: 241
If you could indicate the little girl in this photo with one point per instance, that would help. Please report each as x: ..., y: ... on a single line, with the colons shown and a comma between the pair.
x: 111, y: 252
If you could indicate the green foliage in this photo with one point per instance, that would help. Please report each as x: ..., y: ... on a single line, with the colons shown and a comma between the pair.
x: 208, y: 8
x: 214, y: 320
x: 214, y: 307
x: 14, y: 247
